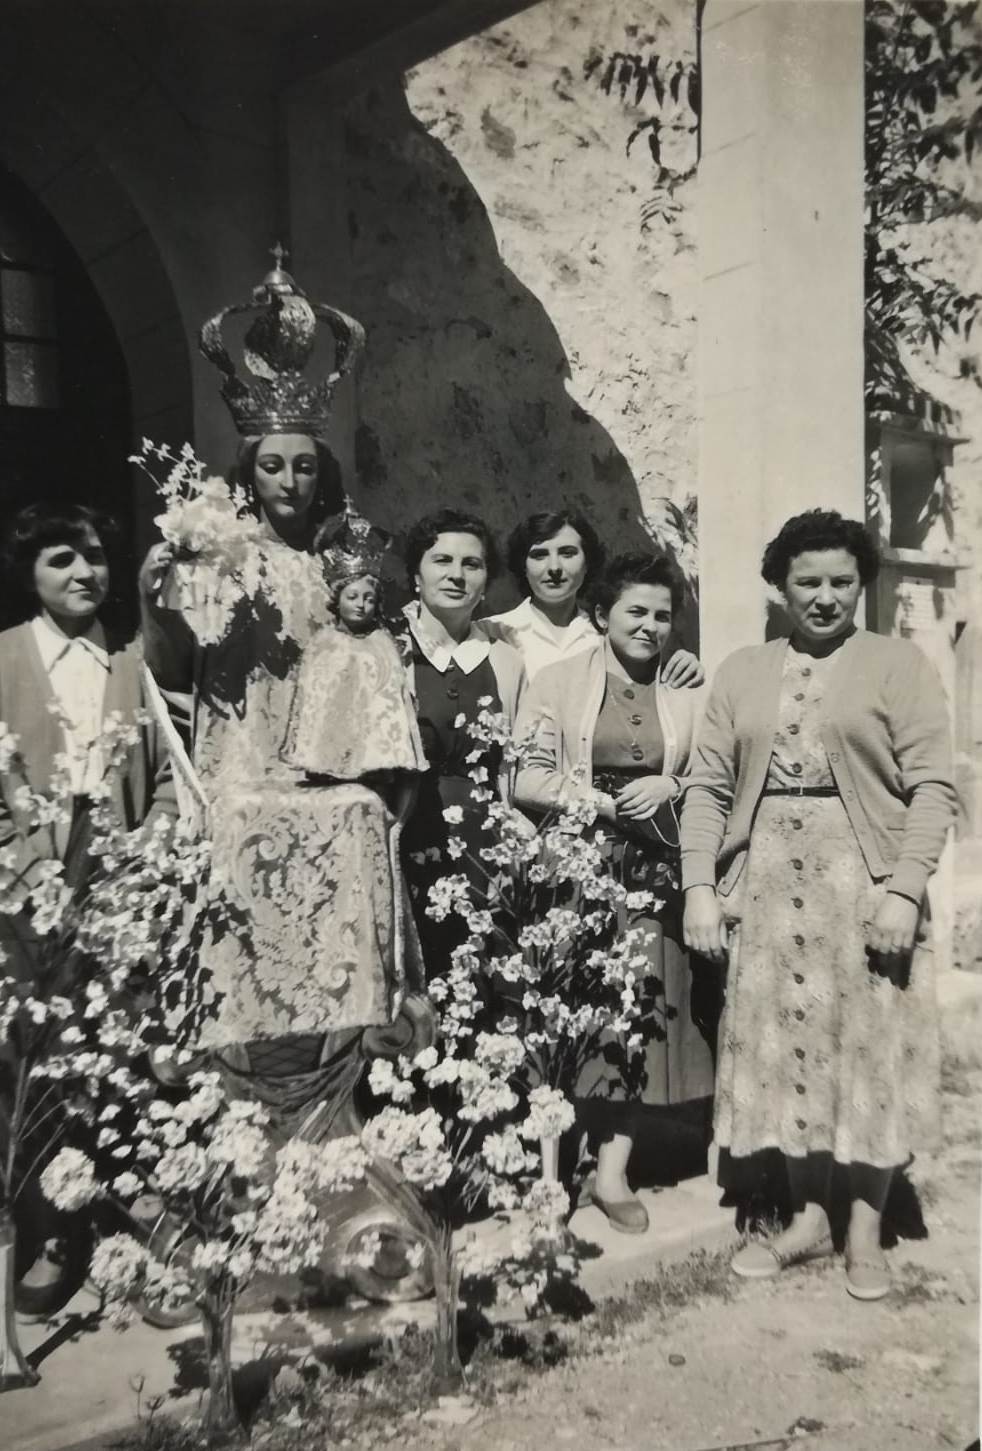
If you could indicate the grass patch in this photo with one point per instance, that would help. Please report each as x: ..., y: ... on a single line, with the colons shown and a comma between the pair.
x: 915, y: 1285
x: 702, y: 1276
x: 837, y: 1363
x: 313, y: 1404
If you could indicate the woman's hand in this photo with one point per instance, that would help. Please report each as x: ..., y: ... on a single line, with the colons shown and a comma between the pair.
x: 683, y: 671
x: 153, y: 573
x: 703, y: 928
x: 894, y: 927
x: 641, y: 798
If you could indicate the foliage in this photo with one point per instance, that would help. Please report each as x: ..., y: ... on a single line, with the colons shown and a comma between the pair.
x: 670, y: 132
x: 923, y: 69
x: 549, y: 935
x: 675, y: 530
x: 244, y: 1206
x: 923, y: 121
x: 70, y: 1018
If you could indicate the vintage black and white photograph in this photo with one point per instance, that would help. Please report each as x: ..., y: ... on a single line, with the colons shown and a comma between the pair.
x: 490, y: 725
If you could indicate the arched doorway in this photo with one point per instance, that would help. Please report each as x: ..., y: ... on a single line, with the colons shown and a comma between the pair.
x: 64, y: 397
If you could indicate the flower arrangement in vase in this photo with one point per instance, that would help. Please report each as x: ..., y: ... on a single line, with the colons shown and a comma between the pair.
x: 72, y: 976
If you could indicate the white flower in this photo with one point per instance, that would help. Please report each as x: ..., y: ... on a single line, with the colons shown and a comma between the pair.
x: 127, y: 1185
x: 550, y: 1113
x: 238, y: 1145
x: 547, y: 1202
x: 385, y: 1082
x: 426, y: 1058
x: 503, y: 1153
x: 117, y: 1265
x: 415, y: 1143
x: 499, y: 1051
x: 453, y: 815
x: 69, y: 1180
x: 181, y: 1170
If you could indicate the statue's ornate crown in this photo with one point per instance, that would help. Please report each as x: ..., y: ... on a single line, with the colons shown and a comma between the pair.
x: 354, y: 547
x: 277, y: 347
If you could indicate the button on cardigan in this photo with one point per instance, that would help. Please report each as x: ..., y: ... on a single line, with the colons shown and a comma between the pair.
x: 887, y: 736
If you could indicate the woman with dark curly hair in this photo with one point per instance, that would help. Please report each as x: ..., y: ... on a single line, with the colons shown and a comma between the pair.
x: 556, y: 555
x: 605, y: 726
x: 456, y: 671
x: 818, y: 806
x: 65, y: 656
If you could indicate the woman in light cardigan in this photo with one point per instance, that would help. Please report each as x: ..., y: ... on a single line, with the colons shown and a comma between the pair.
x: 605, y: 725
x: 817, y: 809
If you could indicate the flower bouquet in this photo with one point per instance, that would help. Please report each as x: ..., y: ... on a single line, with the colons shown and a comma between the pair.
x: 237, y: 1208
x: 553, y: 931
x: 72, y: 976
x: 213, y: 533
x: 455, y: 1131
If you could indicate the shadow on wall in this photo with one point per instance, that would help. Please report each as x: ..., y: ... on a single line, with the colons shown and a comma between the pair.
x: 462, y: 393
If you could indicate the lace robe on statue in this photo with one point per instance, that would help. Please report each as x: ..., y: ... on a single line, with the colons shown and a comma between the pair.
x: 303, y: 931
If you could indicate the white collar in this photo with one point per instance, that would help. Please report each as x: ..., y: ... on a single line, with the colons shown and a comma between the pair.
x: 525, y: 616
x: 53, y: 644
x: 440, y: 650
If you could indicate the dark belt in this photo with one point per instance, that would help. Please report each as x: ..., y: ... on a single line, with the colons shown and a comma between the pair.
x: 801, y: 791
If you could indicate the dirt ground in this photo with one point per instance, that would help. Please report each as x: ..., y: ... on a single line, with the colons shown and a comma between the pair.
x: 788, y: 1362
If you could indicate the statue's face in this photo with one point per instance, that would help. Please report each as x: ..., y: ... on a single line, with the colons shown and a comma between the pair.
x: 285, y: 476
x: 358, y: 604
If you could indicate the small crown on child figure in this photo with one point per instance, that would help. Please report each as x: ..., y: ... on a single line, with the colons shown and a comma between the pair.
x: 278, y: 345
x: 358, y: 547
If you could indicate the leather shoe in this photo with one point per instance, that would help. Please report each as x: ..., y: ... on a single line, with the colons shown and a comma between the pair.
x: 629, y: 1216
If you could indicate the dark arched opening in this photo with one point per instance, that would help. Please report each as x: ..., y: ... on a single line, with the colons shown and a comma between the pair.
x: 64, y: 396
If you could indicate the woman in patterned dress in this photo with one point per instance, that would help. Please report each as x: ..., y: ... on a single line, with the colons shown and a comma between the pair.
x: 605, y: 724
x: 817, y: 809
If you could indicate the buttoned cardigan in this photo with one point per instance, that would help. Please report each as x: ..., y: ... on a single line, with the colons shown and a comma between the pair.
x: 886, y: 733
x: 560, y: 710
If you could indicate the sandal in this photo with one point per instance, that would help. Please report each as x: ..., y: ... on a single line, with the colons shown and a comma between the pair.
x: 762, y: 1261
x: 867, y: 1279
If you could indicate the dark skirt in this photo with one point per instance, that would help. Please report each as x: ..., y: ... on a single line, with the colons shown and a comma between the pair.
x: 676, y: 1063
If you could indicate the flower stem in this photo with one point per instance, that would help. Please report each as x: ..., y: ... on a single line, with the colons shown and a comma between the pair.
x: 15, y: 1369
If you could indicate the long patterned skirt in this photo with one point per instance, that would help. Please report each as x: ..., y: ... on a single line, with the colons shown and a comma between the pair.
x: 820, y: 1049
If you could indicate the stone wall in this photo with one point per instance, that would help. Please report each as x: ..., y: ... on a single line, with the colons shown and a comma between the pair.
x: 530, y: 342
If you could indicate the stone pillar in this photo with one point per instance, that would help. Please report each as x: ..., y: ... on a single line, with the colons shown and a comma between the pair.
x: 781, y: 300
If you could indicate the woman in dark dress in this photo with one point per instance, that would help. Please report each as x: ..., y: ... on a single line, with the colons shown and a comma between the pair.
x: 456, y: 672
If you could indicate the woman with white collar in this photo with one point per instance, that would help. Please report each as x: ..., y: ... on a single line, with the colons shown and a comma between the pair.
x: 62, y: 673
x: 456, y: 671
x: 605, y: 725
x: 556, y: 555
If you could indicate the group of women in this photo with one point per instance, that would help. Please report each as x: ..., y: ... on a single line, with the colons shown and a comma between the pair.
x: 791, y: 831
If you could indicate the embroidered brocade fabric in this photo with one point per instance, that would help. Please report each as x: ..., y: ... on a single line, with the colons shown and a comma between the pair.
x: 308, y: 936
